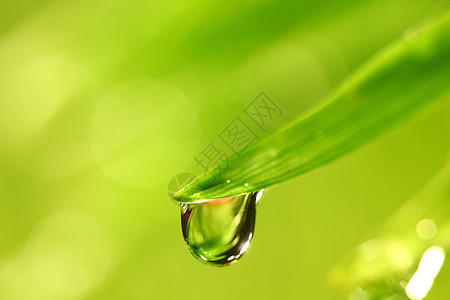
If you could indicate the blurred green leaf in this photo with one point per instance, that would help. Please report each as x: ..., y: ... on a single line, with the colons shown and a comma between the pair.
x: 382, y: 266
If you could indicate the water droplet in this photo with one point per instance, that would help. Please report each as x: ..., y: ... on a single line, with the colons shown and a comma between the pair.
x: 218, y: 232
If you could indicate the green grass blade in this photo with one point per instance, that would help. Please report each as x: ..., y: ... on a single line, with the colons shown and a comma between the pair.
x: 401, y: 80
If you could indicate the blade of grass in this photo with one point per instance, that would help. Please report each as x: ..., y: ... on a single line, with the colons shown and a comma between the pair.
x: 403, y: 79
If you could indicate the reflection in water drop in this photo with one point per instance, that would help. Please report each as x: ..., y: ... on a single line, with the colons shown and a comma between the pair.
x: 218, y: 232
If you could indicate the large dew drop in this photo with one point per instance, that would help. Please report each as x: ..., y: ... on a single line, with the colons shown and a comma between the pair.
x: 218, y: 232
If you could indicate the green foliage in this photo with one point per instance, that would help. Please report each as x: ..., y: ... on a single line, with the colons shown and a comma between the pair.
x: 383, y: 265
x: 103, y: 101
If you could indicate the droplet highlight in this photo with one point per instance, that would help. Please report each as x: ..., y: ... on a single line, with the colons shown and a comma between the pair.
x: 218, y: 232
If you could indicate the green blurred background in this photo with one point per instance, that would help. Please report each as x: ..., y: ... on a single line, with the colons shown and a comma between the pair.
x: 103, y: 102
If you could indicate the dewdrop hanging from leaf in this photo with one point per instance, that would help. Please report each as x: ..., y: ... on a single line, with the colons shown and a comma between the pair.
x: 400, y: 81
